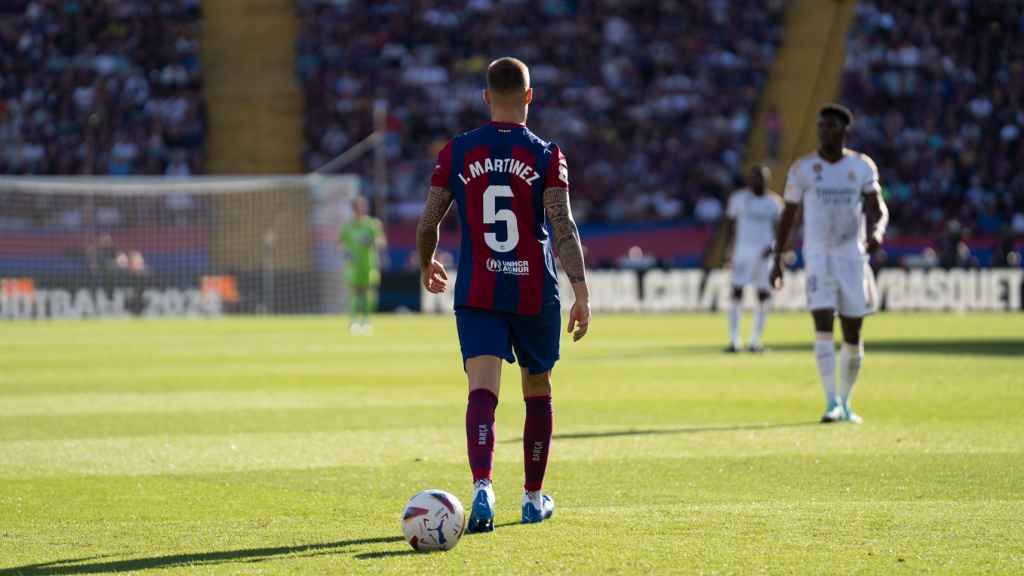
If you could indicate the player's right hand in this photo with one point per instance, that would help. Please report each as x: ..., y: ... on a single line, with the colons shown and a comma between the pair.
x: 434, y: 277
x: 579, y: 319
x: 775, y: 277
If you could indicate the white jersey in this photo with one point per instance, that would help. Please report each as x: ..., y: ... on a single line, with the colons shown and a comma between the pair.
x: 756, y: 218
x: 832, y: 201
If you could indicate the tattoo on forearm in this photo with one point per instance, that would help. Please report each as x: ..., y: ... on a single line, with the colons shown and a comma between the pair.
x: 567, y: 236
x: 438, y: 202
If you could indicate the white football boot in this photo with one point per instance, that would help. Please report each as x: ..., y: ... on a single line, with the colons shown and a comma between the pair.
x: 537, y: 507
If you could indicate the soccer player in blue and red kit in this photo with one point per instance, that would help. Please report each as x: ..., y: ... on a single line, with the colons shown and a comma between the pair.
x: 506, y: 183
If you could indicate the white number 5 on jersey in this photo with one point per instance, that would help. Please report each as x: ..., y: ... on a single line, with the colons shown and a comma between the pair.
x: 504, y: 215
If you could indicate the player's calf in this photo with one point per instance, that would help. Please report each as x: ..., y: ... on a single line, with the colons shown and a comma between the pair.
x: 851, y: 356
x: 760, y: 318
x: 735, y: 310
x: 825, y: 360
x: 537, y: 430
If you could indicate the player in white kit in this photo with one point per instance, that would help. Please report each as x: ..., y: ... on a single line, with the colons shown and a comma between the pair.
x: 751, y: 215
x: 844, y: 223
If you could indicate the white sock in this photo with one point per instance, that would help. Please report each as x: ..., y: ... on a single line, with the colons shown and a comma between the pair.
x: 734, y: 324
x: 850, y: 358
x: 825, y: 355
x: 760, y: 315
x: 535, y: 497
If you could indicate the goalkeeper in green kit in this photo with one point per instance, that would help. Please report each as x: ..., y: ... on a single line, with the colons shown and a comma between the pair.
x: 362, y: 237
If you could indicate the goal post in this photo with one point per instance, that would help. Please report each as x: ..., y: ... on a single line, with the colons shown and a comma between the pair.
x: 84, y: 247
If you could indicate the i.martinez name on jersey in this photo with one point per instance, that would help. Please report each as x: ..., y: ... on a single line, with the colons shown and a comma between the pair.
x: 497, y: 175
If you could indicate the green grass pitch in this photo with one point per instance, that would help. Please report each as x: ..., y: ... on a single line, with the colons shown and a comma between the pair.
x: 287, y: 446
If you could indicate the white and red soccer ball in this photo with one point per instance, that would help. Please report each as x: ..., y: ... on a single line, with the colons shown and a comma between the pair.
x: 433, y: 520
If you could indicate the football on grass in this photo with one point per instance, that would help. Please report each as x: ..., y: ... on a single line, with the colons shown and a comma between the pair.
x: 433, y: 520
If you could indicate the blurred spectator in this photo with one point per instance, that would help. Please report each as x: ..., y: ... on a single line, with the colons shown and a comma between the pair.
x: 928, y: 258
x: 1005, y: 254
x: 709, y: 209
x: 954, y: 251
x: 772, y: 134
x: 102, y: 255
x: 131, y: 262
x: 964, y: 257
x: 1018, y: 223
x: 651, y: 101
x: 938, y: 88
x: 636, y: 259
x: 948, y: 243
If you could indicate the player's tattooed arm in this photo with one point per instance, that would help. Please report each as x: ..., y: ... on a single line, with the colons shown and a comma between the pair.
x: 439, y: 200
x: 567, y: 236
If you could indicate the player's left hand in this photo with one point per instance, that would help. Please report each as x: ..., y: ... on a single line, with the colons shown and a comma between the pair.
x: 579, y: 319
x: 775, y: 277
x: 873, y: 244
x: 434, y: 277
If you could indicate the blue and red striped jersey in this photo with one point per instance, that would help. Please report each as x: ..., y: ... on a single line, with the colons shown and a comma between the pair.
x: 497, y: 175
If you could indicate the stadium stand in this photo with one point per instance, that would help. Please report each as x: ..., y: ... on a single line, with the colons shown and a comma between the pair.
x: 652, y: 109
x: 111, y: 87
x: 940, y: 112
x: 104, y: 87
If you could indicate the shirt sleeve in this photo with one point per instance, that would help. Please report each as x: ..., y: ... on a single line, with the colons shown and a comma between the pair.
x: 443, y: 168
x: 794, y: 192
x: 558, y: 170
x: 870, y: 184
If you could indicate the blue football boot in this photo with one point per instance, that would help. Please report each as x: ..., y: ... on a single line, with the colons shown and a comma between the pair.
x: 481, y: 516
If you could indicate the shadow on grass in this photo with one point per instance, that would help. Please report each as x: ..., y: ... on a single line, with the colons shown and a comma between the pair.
x: 408, y: 552
x: 84, y: 566
x: 659, y: 431
x: 651, y: 352
x: 953, y: 346
x: 385, y: 554
x: 1001, y: 347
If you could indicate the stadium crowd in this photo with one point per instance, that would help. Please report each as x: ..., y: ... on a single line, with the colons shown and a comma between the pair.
x: 941, y: 111
x: 101, y: 87
x: 651, y: 102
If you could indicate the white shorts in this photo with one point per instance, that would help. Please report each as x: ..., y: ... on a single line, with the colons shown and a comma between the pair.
x: 840, y: 283
x: 752, y: 270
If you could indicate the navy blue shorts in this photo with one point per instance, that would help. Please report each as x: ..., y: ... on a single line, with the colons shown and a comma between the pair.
x: 534, y: 339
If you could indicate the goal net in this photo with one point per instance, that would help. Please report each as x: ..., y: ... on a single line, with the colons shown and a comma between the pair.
x: 81, y: 247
